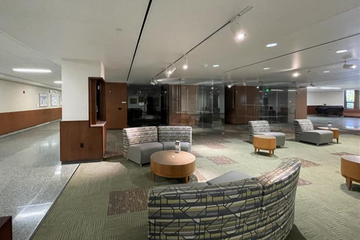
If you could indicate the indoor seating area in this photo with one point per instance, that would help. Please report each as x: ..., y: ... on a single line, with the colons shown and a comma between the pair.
x: 179, y: 120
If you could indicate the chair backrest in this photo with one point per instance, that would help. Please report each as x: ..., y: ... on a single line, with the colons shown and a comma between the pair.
x: 138, y: 135
x: 302, y: 125
x: 279, y: 190
x: 205, y: 212
x: 257, y: 127
x: 174, y: 133
x: 262, y: 207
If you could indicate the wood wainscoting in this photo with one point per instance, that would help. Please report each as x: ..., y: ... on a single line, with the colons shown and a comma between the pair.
x: 351, y: 112
x: 79, y: 141
x: 15, y: 121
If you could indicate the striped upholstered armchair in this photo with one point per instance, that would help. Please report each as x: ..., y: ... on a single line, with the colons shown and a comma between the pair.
x: 262, y: 127
x: 305, y: 132
x: 253, y: 208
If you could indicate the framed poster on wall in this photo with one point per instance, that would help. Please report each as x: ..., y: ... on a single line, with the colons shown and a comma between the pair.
x: 43, y: 100
x: 54, y: 100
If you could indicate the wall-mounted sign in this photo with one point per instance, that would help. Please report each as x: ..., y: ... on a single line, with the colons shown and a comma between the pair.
x: 43, y: 100
x: 54, y: 100
x: 267, y: 89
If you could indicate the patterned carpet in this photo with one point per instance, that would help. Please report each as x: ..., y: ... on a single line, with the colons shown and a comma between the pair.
x: 107, y: 200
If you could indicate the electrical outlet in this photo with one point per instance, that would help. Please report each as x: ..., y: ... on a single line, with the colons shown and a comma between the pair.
x: 81, y: 145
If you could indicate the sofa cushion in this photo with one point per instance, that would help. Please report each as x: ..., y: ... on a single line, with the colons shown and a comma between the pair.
x: 231, y: 176
x: 140, y: 153
x: 175, y: 133
x: 258, y: 126
x: 316, y: 136
x: 280, y: 137
x: 185, y: 146
x: 132, y: 136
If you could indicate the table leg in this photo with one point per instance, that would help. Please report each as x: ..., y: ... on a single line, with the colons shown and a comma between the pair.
x: 255, y: 150
x: 348, y: 183
x: 270, y: 152
x: 153, y: 176
x: 186, y: 179
x: 337, y: 140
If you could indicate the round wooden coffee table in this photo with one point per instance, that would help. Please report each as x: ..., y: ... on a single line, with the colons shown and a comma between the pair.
x: 264, y: 142
x: 336, y: 132
x: 350, y: 169
x: 170, y: 164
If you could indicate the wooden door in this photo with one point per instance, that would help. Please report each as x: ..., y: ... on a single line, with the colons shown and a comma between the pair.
x: 116, y: 105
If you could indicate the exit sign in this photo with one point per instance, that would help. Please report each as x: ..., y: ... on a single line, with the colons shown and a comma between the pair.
x: 267, y: 89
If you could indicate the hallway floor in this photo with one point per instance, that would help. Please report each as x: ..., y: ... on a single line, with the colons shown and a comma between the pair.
x: 31, y: 176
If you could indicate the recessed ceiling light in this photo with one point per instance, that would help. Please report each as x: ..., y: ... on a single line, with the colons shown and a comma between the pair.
x: 341, y: 51
x: 32, y: 70
x: 296, y: 74
x: 266, y: 68
x: 58, y: 82
x: 326, y: 71
x: 271, y: 45
x: 216, y: 65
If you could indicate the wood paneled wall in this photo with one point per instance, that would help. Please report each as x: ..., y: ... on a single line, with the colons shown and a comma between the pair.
x: 79, y: 141
x: 15, y: 121
x: 301, y: 103
x: 311, y: 110
x: 116, y: 105
x: 241, y: 104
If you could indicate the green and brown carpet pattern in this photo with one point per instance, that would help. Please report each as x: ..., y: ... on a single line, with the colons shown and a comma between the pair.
x: 107, y: 200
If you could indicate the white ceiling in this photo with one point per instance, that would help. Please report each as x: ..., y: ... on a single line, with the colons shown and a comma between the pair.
x: 39, y: 33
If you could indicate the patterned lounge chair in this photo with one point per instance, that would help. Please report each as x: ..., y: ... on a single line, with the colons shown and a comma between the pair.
x: 304, y: 131
x: 257, y: 208
x: 263, y: 128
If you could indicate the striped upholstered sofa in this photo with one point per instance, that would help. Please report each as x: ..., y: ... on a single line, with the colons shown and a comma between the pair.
x: 140, y: 142
x: 253, y: 208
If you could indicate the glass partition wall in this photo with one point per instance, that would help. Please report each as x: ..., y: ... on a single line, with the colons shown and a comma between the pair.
x: 208, y: 105
x: 276, y: 104
x: 199, y: 106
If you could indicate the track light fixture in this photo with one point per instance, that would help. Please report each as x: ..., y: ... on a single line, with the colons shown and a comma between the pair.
x: 169, y: 71
x: 153, y: 81
x: 237, y: 30
x: 186, y: 65
x: 229, y: 85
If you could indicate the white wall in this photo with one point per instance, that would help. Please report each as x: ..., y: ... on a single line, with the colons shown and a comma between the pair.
x: 12, y: 98
x: 74, y: 75
x: 326, y: 97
